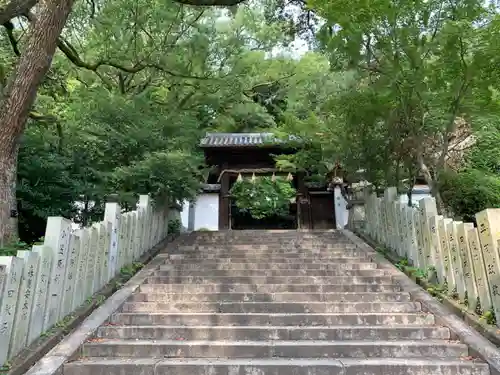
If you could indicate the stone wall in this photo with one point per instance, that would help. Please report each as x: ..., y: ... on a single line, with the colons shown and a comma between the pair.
x: 38, y: 288
x: 465, y: 258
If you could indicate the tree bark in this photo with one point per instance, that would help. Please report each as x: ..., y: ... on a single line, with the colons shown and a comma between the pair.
x: 20, y: 94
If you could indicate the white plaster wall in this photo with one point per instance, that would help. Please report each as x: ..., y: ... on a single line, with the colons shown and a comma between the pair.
x: 185, y: 214
x: 207, y: 212
x: 341, y: 212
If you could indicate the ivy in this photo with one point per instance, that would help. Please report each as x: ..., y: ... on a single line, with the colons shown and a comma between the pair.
x: 263, y: 197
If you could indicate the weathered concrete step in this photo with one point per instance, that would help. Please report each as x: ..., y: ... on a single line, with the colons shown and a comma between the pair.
x: 331, y: 258
x: 268, y: 288
x: 269, y: 280
x: 273, y: 307
x: 231, y: 333
x: 270, y: 297
x: 273, y: 349
x: 275, y: 253
x: 164, y: 271
x: 215, y: 366
x: 280, y: 319
x: 182, y: 259
x: 268, y: 266
x: 259, y: 248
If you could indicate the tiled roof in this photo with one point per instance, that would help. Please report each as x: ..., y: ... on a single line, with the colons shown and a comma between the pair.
x: 237, y: 139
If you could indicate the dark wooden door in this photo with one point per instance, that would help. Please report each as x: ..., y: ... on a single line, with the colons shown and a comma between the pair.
x: 322, y: 210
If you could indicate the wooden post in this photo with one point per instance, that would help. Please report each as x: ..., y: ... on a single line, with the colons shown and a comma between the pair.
x: 488, y: 225
x: 57, y: 239
x: 13, y: 268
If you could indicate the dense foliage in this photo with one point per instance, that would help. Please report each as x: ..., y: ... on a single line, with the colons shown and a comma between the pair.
x: 264, y: 197
x: 398, y: 89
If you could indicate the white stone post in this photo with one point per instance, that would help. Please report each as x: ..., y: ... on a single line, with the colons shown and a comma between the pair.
x: 57, y: 239
x: 483, y: 286
x: 428, y: 209
x: 81, y: 278
x: 8, y: 301
x: 145, y: 203
x: 437, y: 252
x: 456, y: 261
x: 25, y: 301
x: 467, y: 267
x: 99, y: 257
x: 71, y: 274
x: 488, y: 226
x: 132, y: 236
x: 445, y: 247
x: 40, y: 298
x: 91, y: 261
x: 112, y: 213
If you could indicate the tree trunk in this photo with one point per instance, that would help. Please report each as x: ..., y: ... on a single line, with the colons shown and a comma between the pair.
x: 20, y: 95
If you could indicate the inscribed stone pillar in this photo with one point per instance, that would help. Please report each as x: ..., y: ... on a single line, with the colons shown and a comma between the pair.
x: 413, y: 250
x: 437, y: 252
x: 80, y: 292
x: 428, y: 209
x: 108, y: 230
x: 25, y: 301
x: 57, y: 239
x: 390, y: 195
x: 138, y: 232
x: 488, y: 226
x: 133, y: 236
x: 40, y: 298
x: 91, y: 261
x: 112, y: 213
x: 145, y: 204
x: 417, y: 224
x: 445, y: 247
x: 483, y: 286
x: 13, y: 268
x: 456, y: 260
x: 467, y: 267
x: 70, y: 277
x: 99, y: 256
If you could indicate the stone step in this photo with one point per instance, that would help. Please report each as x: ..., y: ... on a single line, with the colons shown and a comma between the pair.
x: 342, y: 280
x: 273, y: 307
x: 164, y: 271
x: 231, y: 333
x: 274, y: 349
x: 274, y: 253
x: 280, y: 319
x: 275, y: 366
x: 268, y: 266
x: 270, y: 297
x: 331, y: 258
x: 240, y: 248
x: 271, y: 288
x: 184, y: 259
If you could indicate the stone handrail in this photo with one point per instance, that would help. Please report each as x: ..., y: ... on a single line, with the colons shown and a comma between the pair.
x: 464, y: 257
x: 39, y: 288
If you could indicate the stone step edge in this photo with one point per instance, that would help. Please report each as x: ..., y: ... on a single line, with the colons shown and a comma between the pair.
x: 340, y: 343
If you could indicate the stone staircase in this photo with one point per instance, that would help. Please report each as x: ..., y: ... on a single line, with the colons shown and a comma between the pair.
x: 272, y: 303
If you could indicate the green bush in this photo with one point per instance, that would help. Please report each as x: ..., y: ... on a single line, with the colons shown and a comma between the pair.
x: 469, y: 191
x: 174, y: 226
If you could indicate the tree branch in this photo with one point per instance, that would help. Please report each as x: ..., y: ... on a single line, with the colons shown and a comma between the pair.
x: 9, y: 27
x: 15, y: 8
x: 71, y: 54
x: 210, y: 3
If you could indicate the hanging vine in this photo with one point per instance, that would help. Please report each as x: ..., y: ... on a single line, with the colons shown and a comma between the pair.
x: 263, y: 196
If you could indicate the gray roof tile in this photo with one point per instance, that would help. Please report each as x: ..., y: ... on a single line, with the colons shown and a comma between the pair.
x: 237, y: 139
